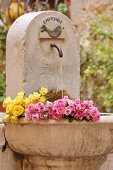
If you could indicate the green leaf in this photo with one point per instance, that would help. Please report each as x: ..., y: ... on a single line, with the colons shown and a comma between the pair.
x: 70, y: 119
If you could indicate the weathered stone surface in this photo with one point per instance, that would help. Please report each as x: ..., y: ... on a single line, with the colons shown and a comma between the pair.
x: 10, y: 160
x: 34, y: 64
x: 2, y: 136
x: 81, y: 141
x: 2, y: 131
x: 1, y: 117
x: 61, y: 145
x: 108, y: 164
x: 83, y: 163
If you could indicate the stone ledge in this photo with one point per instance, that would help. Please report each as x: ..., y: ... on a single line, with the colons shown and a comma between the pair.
x: 2, y: 138
x: 10, y: 160
x: 105, y: 118
x: 1, y: 117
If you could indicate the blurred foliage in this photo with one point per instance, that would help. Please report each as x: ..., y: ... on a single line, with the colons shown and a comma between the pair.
x: 97, y: 63
x: 2, y: 87
x: 62, y: 7
x: 3, y: 34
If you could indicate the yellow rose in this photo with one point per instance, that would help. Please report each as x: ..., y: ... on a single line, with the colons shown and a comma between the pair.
x: 30, y: 98
x: 42, y: 99
x: 14, y: 119
x: 35, y: 96
x: 19, y: 100
x: 6, y: 102
x: 9, y: 109
x: 21, y: 94
x: 18, y: 110
x: 11, y: 102
x: 27, y: 102
x: 6, y: 118
x: 43, y: 91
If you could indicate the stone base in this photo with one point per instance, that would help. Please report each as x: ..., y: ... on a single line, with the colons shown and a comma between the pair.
x: 9, y: 160
x: 85, y: 163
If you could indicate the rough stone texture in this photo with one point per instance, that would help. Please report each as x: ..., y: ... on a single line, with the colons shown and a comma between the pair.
x: 9, y: 160
x: 34, y: 64
x: 1, y: 117
x: 88, y: 143
x: 81, y: 141
x: 87, y: 163
x: 2, y: 138
x: 108, y: 164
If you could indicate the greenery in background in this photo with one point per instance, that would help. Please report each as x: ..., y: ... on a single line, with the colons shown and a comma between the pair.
x: 62, y: 7
x: 3, y: 34
x: 97, y: 63
x: 2, y: 87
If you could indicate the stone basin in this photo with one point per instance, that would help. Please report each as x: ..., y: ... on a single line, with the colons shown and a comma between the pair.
x: 61, y: 138
x: 50, y: 139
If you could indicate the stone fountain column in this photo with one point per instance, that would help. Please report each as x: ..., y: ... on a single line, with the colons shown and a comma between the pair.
x: 35, y: 44
x: 32, y: 63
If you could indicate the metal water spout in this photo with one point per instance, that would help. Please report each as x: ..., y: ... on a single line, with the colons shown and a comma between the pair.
x: 58, y: 48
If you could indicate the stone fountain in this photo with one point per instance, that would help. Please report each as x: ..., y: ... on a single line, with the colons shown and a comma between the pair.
x: 43, y: 50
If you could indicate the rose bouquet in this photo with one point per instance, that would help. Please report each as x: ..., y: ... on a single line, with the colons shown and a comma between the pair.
x: 16, y: 108
x: 36, y: 107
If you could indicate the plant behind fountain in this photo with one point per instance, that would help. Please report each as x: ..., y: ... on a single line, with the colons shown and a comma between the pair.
x: 97, y: 62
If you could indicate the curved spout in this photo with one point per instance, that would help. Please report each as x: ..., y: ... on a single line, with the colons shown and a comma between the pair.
x: 58, y: 48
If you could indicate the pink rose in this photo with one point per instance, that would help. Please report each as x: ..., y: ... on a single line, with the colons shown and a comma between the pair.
x: 59, y: 103
x: 71, y: 107
x: 56, y: 116
x: 67, y: 111
x: 39, y: 107
x: 78, y: 107
x: 49, y: 104
x: 60, y: 110
x: 88, y: 117
x: 31, y: 108
x: 72, y: 114
x: 54, y: 107
x: 66, y: 99
x: 43, y: 116
x: 88, y: 103
x: 76, y: 116
x: 77, y: 101
x: 40, y: 104
x: 27, y: 116
x: 27, y: 112
x: 96, y: 118
x: 35, y: 117
x: 83, y: 106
